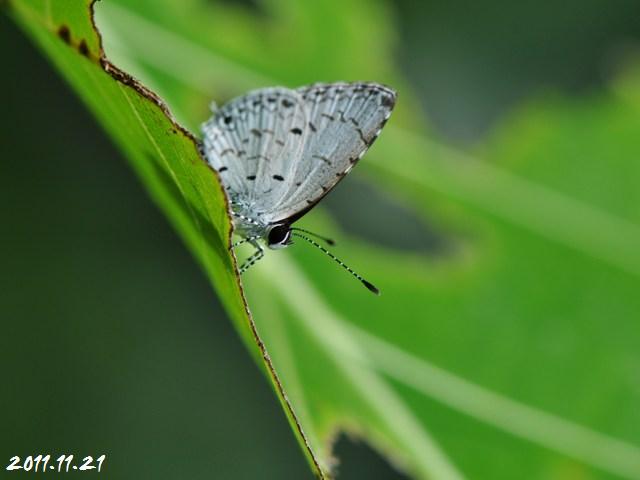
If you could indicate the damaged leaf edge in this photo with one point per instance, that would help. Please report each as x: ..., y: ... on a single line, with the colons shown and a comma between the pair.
x: 99, y: 58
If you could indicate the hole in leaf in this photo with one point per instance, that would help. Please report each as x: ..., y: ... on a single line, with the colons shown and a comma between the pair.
x: 359, y: 461
x: 363, y: 210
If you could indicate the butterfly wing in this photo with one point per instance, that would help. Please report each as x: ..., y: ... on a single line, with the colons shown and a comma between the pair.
x: 252, y: 142
x: 344, y: 119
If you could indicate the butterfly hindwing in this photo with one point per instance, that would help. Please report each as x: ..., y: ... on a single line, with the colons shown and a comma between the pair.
x: 279, y: 151
x: 344, y: 119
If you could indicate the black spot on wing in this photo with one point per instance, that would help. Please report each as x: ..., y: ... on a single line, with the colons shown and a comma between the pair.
x: 388, y: 100
x: 259, y: 156
x: 323, y: 158
x: 362, y: 137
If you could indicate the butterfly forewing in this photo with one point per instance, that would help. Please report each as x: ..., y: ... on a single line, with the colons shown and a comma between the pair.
x: 252, y: 142
x: 343, y: 121
x: 279, y: 151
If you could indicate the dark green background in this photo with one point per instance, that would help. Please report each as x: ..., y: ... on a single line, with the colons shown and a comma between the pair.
x: 113, y: 342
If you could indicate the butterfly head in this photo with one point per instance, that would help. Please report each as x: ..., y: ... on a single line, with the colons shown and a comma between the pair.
x: 279, y: 236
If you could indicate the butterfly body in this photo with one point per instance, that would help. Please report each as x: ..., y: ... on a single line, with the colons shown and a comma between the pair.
x: 279, y: 151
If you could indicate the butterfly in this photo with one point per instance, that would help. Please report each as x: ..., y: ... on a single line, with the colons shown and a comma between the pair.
x: 279, y: 151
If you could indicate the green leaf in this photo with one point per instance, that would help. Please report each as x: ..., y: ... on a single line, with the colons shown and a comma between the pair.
x: 163, y: 153
x: 514, y: 348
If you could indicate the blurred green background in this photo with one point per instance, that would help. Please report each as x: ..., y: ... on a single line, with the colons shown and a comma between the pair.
x: 112, y: 340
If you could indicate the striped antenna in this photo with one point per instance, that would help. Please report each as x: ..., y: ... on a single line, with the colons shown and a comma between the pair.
x: 328, y: 241
x: 367, y: 284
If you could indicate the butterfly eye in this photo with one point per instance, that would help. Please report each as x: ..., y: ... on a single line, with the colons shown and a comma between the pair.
x: 279, y: 236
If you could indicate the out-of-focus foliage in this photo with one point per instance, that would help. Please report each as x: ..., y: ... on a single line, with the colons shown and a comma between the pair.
x: 512, y: 348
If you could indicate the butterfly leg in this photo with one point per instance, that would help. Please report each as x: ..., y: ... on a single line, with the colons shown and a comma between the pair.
x: 244, y: 240
x: 259, y: 253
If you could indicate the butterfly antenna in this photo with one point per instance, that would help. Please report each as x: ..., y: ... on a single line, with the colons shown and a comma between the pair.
x: 328, y: 241
x: 369, y: 285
